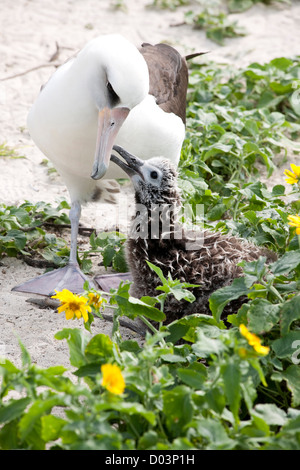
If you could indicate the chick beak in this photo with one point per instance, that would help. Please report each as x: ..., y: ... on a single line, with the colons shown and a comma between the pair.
x: 133, y: 164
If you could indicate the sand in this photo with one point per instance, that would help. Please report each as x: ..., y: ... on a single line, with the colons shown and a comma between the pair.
x: 30, y: 32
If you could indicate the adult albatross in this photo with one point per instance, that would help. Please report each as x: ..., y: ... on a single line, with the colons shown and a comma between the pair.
x: 110, y: 92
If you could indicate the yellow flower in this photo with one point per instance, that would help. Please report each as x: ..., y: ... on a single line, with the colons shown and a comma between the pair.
x: 95, y: 300
x: 72, y: 304
x: 294, y: 175
x: 294, y: 221
x: 254, y: 341
x: 242, y: 352
x: 263, y: 350
x: 112, y: 379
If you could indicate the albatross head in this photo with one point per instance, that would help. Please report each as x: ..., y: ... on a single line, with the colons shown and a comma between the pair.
x: 118, y: 78
x: 154, y: 180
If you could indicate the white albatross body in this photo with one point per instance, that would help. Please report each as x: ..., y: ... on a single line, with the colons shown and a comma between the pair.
x: 95, y: 100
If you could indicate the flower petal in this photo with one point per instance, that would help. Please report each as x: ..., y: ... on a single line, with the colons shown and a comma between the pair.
x: 263, y: 350
x: 295, y: 169
x: 291, y: 180
x: 112, y: 378
x: 69, y: 314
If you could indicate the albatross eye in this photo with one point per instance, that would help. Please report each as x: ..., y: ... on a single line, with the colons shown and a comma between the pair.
x: 154, y: 175
x: 113, y: 97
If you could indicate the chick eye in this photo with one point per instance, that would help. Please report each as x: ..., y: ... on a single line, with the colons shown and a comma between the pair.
x: 154, y: 175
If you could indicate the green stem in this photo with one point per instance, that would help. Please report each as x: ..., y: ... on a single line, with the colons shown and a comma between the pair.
x: 276, y: 293
x: 272, y: 396
x: 234, y: 215
x: 161, y: 427
x: 272, y: 289
x: 148, y: 324
x: 162, y: 304
x: 132, y: 426
x: 152, y: 328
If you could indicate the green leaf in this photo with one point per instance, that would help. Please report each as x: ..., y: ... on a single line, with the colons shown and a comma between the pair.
x: 39, y: 408
x: 9, y: 436
x: 51, y: 427
x: 280, y: 88
x: 108, y: 254
x: 133, y: 307
x: 216, y: 399
x: 232, y: 376
x: 287, y: 346
x: 292, y: 377
x: 254, y: 270
x: 178, y: 409
x: 256, y: 366
x: 216, y: 212
x: 8, y: 366
x: 119, y: 262
x: 267, y: 100
x: 130, y: 408
x: 281, y: 63
x: 270, y: 413
x: 217, y: 149
x: 194, y: 376
x: 205, y: 346
x: 260, y: 425
x: 77, y: 342
x: 180, y: 293
x: 26, y: 359
x: 111, y: 246
x: 92, y: 369
x: 99, y: 346
x: 278, y: 190
x: 240, y: 317
x: 286, y: 263
x: 292, y: 425
x: 215, y: 434
x: 186, y: 327
x: 18, y: 237
x: 237, y: 6
x: 173, y: 358
x: 13, y: 410
x: 262, y: 315
x: 158, y: 271
x: 295, y: 101
x: 253, y: 130
x: 130, y: 345
x: 148, y: 440
x: 220, y: 298
x: 290, y: 311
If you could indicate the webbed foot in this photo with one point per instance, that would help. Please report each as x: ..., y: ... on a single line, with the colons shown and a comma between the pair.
x: 111, y: 281
x: 69, y: 277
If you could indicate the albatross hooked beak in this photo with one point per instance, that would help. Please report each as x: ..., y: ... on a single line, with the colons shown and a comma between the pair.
x: 109, y: 124
x: 133, y: 164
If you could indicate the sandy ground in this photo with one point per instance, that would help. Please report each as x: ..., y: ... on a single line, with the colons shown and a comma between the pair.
x: 30, y: 30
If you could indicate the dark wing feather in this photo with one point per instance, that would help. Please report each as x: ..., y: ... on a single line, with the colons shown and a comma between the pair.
x: 168, y: 77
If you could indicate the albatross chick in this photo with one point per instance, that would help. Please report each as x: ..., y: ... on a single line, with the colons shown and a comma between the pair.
x: 206, y: 258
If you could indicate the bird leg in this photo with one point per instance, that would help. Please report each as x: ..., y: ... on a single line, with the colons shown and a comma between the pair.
x: 70, y: 276
x: 74, y: 215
